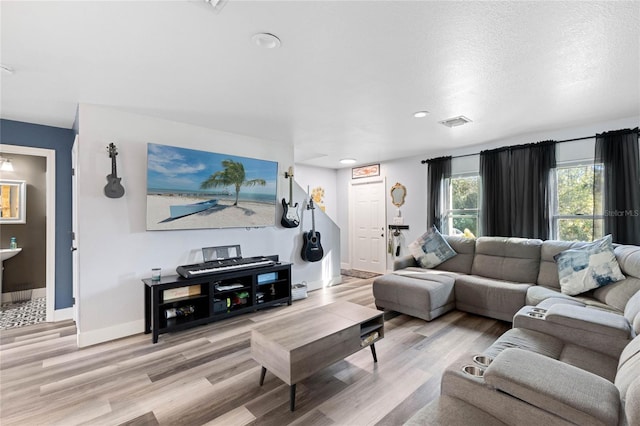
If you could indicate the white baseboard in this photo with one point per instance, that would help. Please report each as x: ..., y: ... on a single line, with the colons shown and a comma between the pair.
x: 334, y: 281
x: 62, y: 314
x: 317, y: 285
x: 93, y: 337
x: 39, y: 292
x: 35, y: 294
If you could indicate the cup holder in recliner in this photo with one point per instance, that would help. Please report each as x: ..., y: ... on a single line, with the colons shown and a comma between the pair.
x: 473, y: 370
x: 539, y: 310
x: 538, y: 315
x: 482, y: 360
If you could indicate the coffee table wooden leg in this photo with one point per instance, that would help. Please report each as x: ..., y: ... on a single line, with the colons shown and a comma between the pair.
x: 263, y: 372
x: 292, y: 397
x: 373, y: 352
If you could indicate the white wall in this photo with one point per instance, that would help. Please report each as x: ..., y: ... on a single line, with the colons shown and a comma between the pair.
x: 114, y: 249
x: 412, y: 174
x: 313, y: 177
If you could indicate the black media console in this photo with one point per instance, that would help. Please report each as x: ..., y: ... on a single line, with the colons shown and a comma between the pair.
x: 175, y: 303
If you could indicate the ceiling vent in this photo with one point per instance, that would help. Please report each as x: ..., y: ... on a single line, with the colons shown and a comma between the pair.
x: 455, y: 121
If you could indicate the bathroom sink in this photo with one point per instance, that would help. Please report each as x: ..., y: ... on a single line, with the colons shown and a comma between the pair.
x: 8, y: 253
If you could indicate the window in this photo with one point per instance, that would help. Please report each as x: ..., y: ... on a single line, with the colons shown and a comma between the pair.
x: 573, y: 216
x: 462, y: 212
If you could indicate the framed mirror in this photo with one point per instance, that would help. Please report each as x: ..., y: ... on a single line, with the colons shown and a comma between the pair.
x: 398, y: 194
x: 13, y: 197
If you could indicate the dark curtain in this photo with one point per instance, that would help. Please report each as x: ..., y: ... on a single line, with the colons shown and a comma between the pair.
x: 617, y: 151
x: 495, y: 209
x: 515, y: 189
x: 439, y: 169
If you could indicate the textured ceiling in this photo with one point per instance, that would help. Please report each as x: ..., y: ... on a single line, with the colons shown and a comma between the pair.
x: 347, y: 78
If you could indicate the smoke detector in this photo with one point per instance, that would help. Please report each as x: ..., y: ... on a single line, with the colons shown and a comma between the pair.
x: 455, y: 121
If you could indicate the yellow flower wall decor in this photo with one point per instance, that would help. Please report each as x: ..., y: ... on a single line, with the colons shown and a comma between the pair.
x: 317, y: 195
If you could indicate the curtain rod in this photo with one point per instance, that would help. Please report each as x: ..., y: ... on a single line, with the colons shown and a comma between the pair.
x: 562, y: 141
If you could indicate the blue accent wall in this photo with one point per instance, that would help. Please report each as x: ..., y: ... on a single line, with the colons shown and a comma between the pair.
x: 60, y: 140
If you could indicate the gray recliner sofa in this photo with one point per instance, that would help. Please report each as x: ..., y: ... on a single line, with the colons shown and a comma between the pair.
x: 496, y: 277
x: 558, y: 376
x: 522, y: 388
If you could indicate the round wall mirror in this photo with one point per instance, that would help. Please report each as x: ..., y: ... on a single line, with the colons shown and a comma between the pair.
x: 398, y: 193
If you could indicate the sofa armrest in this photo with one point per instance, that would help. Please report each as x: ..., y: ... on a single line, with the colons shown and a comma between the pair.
x: 600, y: 331
x: 589, y: 320
x: 562, y: 389
x: 404, y: 262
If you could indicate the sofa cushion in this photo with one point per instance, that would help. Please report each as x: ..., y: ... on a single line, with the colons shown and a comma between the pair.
x: 618, y: 294
x: 588, y: 267
x: 449, y: 411
x: 628, y: 367
x: 537, y: 293
x: 553, y: 347
x: 632, y: 402
x: 508, y: 259
x: 530, y: 340
x: 548, y: 275
x: 566, y: 391
x: 416, y: 292
x: 466, y: 249
x: 597, y: 363
x: 629, y: 259
x: 490, y: 297
x: 431, y: 249
x: 632, y: 309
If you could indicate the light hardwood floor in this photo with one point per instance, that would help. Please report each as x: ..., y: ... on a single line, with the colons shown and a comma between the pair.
x: 206, y: 375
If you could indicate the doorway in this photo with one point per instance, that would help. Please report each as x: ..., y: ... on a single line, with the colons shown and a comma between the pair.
x: 50, y: 210
x: 367, y: 214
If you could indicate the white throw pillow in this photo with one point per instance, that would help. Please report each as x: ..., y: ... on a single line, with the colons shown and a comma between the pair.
x: 431, y: 249
x: 588, y: 267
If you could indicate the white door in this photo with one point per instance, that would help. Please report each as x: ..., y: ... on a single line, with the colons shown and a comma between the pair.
x: 368, y: 242
x: 74, y: 226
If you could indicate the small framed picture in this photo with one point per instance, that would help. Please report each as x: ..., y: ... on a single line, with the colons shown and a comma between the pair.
x: 365, y: 171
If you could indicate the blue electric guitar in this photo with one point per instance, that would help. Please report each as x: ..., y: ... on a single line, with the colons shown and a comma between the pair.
x: 311, y: 247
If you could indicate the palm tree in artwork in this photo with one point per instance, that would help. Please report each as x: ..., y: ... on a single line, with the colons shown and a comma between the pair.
x: 233, y: 174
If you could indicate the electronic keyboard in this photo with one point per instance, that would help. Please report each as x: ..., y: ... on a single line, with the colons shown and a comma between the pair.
x: 223, y: 265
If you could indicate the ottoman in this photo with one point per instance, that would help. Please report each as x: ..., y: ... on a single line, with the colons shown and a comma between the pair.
x: 425, y: 294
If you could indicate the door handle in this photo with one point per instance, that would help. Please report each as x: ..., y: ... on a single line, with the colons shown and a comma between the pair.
x: 74, y: 248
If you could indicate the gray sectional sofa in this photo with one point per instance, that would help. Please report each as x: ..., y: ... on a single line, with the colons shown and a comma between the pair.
x: 567, y: 360
x: 496, y: 277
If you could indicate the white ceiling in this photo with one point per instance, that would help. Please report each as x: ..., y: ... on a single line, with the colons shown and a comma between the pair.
x: 347, y: 78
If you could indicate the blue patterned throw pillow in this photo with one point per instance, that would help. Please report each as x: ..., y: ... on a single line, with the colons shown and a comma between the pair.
x: 591, y: 266
x: 431, y: 249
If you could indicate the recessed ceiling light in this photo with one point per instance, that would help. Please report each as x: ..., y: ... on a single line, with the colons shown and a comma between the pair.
x: 455, y: 121
x: 420, y: 114
x: 348, y: 160
x: 266, y: 40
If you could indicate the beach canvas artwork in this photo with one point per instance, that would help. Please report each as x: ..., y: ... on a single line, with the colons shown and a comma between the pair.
x: 191, y: 189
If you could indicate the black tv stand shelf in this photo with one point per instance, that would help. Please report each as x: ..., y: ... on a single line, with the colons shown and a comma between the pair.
x: 175, y: 303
